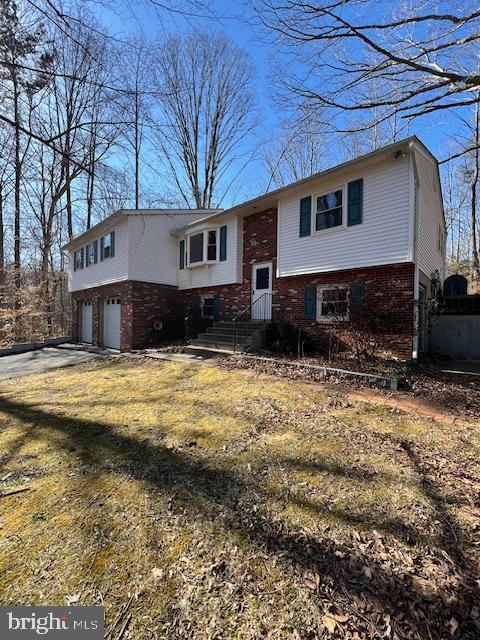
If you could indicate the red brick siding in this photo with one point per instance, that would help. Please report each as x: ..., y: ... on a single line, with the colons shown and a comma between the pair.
x: 387, y: 287
x: 381, y: 283
x: 259, y: 245
x: 142, y: 304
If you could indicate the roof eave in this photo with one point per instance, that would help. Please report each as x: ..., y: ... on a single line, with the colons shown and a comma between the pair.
x: 274, y: 195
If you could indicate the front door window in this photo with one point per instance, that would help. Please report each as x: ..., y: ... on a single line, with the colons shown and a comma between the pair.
x: 262, y: 291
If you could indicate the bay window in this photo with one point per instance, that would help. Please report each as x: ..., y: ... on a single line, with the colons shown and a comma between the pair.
x: 212, y: 245
x: 205, y: 247
x: 196, y: 248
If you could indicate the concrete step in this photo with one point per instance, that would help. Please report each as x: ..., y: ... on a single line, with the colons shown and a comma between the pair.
x: 248, y: 324
x: 213, y: 343
x: 206, y: 352
x: 229, y: 332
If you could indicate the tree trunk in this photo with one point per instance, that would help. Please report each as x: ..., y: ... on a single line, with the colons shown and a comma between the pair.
x: 2, y: 263
x: 473, y: 208
x: 137, y: 148
x: 17, y: 212
x: 69, y: 201
x: 90, y: 184
x: 2, y: 246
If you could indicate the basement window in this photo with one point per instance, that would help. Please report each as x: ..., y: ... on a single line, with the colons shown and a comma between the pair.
x: 333, y: 303
x: 208, y: 307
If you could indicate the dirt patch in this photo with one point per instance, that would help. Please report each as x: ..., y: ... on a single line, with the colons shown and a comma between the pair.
x: 451, y: 394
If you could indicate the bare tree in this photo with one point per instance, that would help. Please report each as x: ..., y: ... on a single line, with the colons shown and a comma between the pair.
x: 24, y: 62
x: 298, y: 152
x: 136, y: 70
x: 207, y: 111
x: 428, y: 58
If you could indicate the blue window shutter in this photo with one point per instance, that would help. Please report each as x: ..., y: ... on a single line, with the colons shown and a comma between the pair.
x: 223, y: 243
x: 112, y: 240
x: 82, y: 257
x: 305, y: 216
x: 74, y: 260
x: 102, y: 242
x: 355, y: 202
x: 357, y: 299
x: 181, y: 245
x: 216, y: 306
x: 95, y: 252
x: 310, y: 303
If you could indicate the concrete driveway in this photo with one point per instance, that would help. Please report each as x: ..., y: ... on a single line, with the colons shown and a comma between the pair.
x: 23, y: 364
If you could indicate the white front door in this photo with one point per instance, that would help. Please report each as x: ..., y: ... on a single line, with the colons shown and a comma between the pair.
x: 87, y: 321
x: 262, y: 291
x: 111, y: 323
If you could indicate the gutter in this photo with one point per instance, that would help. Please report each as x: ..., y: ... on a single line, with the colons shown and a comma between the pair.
x: 277, y: 193
x: 416, y: 274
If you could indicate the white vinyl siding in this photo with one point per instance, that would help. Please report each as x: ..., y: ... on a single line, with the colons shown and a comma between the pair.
x: 220, y: 272
x: 430, y: 217
x: 153, y: 250
x: 381, y: 238
x: 104, y: 272
x: 145, y: 251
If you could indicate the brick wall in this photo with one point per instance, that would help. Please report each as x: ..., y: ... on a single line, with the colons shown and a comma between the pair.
x: 388, y: 291
x: 382, y: 285
x: 141, y: 304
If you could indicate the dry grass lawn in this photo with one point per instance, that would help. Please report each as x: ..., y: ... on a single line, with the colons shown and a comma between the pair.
x: 200, y: 503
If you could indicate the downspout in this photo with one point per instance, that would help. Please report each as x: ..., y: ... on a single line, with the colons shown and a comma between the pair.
x: 416, y: 274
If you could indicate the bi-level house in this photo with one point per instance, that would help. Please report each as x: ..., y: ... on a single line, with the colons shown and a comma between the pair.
x: 372, y: 228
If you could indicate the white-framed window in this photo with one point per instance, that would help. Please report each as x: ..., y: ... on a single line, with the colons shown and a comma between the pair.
x: 78, y: 259
x: 333, y: 303
x: 195, y: 248
x: 107, y: 246
x: 328, y: 210
x: 212, y: 245
x: 91, y: 253
x: 207, y: 306
x: 205, y: 247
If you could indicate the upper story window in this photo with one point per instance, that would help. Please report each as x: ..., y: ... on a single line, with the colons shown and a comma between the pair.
x: 329, y: 210
x: 212, y: 245
x: 196, y: 248
x: 107, y: 246
x: 205, y: 247
x: 91, y: 253
x: 342, y: 207
x: 78, y: 259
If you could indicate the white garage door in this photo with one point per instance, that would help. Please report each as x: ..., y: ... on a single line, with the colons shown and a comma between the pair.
x: 111, y: 323
x: 87, y: 321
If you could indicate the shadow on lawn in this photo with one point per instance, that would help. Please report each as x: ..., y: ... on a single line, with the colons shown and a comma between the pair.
x: 341, y: 568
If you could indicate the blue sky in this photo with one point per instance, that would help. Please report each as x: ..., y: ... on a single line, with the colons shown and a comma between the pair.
x: 438, y: 131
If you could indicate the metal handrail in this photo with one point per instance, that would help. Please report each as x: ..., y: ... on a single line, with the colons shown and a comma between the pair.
x: 248, y: 308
